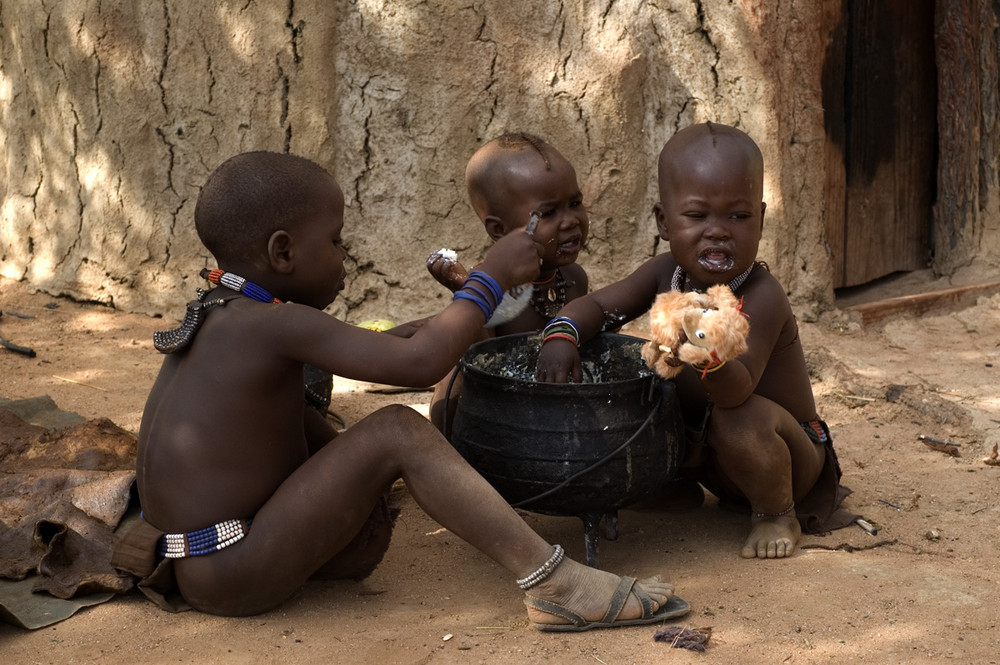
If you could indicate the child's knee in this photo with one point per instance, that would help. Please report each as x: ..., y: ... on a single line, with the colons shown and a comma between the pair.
x: 401, y: 416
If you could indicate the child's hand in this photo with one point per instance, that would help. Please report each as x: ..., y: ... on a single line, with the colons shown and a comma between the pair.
x: 558, y: 362
x: 445, y: 268
x: 513, y: 259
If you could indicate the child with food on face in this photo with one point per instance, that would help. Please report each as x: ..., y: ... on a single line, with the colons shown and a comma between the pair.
x: 512, y: 181
x: 754, y: 436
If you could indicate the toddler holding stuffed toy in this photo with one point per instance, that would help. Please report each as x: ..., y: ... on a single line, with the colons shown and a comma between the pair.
x: 245, y: 491
x: 754, y: 435
x: 515, y: 180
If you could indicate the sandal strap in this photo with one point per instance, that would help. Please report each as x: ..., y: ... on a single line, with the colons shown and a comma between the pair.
x: 555, y: 609
x: 644, y: 600
x: 619, y: 599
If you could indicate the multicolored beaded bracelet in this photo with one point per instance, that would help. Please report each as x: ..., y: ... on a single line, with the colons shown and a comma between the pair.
x: 561, y: 328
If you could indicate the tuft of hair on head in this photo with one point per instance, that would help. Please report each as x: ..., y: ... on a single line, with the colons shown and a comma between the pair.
x: 250, y: 196
x: 711, y: 132
x: 518, y: 140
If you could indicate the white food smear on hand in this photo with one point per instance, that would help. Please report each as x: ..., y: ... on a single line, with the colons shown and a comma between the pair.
x: 447, y: 254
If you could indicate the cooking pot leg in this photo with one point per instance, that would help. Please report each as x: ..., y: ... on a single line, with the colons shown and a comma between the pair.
x: 611, y: 525
x: 591, y: 524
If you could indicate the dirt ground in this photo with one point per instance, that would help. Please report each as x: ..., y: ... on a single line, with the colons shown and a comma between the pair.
x: 924, y: 589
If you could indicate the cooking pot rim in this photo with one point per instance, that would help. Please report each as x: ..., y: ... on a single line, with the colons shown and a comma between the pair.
x: 560, y: 388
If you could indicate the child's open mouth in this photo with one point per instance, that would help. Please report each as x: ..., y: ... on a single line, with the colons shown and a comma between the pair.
x: 571, y: 246
x: 714, y: 260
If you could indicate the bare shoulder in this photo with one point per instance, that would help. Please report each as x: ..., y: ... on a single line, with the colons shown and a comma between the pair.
x: 577, y: 280
x: 764, y: 295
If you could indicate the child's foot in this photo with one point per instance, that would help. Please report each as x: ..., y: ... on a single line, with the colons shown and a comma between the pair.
x: 577, y: 598
x: 772, y: 537
x: 445, y: 268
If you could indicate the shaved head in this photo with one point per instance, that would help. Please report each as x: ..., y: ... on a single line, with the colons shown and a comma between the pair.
x: 252, y: 195
x: 694, y: 145
x: 500, y: 162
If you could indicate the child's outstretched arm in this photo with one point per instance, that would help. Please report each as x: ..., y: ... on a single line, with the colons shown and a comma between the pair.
x: 424, y: 357
x: 607, y: 308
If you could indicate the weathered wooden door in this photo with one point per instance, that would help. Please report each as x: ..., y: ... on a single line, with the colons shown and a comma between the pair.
x: 880, y: 100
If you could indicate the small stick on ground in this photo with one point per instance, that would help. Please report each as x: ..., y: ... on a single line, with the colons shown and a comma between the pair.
x: 16, y: 348
x: 946, y: 447
x: 867, y: 526
x: 79, y: 383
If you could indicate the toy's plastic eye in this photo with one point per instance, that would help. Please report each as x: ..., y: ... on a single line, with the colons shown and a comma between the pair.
x: 701, y: 334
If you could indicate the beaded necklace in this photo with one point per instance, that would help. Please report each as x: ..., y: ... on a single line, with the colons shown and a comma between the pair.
x: 237, y: 283
x: 171, y: 341
x: 548, y: 302
x: 680, y: 282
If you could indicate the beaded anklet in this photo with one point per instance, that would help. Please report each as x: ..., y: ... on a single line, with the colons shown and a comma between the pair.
x: 202, y: 541
x: 239, y: 284
x: 543, y: 571
x: 786, y: 511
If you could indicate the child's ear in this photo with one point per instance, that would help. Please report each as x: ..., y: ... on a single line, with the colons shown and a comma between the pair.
x: 281, y: 251
x: 494, y: 227
x: 661, y: 222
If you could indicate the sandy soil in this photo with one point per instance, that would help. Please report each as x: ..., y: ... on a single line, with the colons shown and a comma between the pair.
x: 924, y: 589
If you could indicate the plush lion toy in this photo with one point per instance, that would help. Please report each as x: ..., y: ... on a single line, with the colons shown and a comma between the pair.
x: 702, y: 329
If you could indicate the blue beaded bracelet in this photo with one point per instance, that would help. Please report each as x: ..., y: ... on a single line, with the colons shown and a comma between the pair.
x: 486, y: 280
x: 476, y: 298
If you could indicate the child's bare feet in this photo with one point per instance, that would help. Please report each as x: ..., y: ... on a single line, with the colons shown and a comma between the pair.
x: 577, y: 598
x: 445, y: 268
x: 772, y: 537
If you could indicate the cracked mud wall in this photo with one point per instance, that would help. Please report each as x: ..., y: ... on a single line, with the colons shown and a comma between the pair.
x: 113, y: 114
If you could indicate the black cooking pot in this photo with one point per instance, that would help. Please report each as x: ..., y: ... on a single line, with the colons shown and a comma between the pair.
x: 584, y: 449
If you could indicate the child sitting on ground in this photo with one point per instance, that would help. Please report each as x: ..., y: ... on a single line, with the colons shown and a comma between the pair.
x: 509, y: 179
x: 244, y: 489
x: 755, y: 436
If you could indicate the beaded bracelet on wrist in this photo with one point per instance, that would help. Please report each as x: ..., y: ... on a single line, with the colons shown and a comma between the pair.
x: 561, y: 328
x: 488, y: 300
x: 486, y: 280
x: 543, y: 571
x: 486, y: 308
x: 708, y: 368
